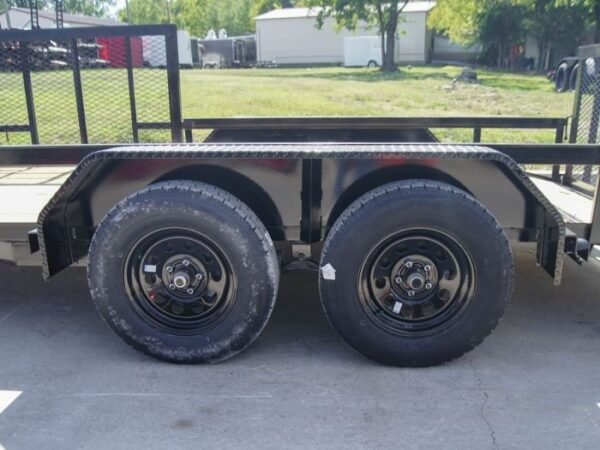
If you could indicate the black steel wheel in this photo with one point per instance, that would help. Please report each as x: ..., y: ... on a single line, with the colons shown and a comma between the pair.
x: 184, y: 272
x: 180, y: 280
x: 416, y: 282
x: 415, y: 273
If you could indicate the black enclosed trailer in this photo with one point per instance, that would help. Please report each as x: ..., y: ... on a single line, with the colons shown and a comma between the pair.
x: 184, y: 242
x: 229, y: 52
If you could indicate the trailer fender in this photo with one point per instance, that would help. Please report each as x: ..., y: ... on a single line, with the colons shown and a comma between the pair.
x: 300, y: 189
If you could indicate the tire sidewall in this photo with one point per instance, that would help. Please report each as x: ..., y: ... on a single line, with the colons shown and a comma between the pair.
x: 255, y: 286
x: 348, y: 246
x: 561, y: 78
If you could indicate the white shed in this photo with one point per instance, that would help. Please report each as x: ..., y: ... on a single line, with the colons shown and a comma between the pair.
x: 290, y: 36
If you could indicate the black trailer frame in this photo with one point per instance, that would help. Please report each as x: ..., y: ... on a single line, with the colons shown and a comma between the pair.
x: 303, y: 169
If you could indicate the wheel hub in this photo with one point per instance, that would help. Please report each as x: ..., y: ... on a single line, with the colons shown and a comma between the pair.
x: 415, y: 275
x: 415, y: 281
x: 179, y: 280
x: 186, y: 275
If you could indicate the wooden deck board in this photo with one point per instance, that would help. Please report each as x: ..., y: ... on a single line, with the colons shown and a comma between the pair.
x: 574, y: 206
x: 25, y: 190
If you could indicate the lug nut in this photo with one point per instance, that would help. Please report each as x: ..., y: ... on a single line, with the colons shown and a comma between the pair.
x: 427, y: 268
x: 411, y: 293
x: 190, y: 291
x: 171, y: 286
x: 169, y: 269
x: 409, y: 265
x: 428, y: 286
x: 198, y: 276
x: 398, y: 280
x: 186, y: 262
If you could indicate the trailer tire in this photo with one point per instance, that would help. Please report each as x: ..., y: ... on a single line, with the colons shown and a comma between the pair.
x: 573, y: 78
x: 415, y: 273
x: 372, y: 63
x: 561, y: 78
x: 184, y: 272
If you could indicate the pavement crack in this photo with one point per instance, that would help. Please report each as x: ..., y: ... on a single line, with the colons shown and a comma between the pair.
x: 482, y: 414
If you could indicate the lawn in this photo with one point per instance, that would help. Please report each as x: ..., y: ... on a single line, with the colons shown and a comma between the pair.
x: 335, y: 91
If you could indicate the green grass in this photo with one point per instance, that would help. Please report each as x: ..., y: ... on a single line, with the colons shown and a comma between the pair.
x: 336, y: 91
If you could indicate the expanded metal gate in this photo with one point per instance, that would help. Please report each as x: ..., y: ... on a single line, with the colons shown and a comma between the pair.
x: 90, y: 85
x: 586, y: 111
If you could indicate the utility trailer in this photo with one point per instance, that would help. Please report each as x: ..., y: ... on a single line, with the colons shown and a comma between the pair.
x: 185, y: 242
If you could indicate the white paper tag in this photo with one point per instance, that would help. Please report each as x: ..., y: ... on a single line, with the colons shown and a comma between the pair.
x: 149, y: 268
x: 328, y: 272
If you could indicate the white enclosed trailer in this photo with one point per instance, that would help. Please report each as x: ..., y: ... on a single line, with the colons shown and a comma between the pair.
x: 155, y: 54
x: 360, y: 51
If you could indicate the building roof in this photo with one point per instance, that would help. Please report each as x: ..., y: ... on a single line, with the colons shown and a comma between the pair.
x: 300, y: 13
x: 70, y: 18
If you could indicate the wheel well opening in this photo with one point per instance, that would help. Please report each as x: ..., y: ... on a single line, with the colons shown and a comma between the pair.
x: 388, y: 175
x: 238, y: 185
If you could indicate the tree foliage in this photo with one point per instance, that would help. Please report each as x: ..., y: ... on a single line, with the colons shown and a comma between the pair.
x: 87, y: 7
x: 500, y: 25
x: 197, y: 16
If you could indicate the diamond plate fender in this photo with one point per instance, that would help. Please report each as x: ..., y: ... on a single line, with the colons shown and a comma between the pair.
x: 56, y: 241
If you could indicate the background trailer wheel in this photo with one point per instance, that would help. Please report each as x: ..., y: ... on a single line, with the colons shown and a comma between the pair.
x: 184, y: 272
x: 573, y: 78
x: 415, y: 273
x: 561, y: 78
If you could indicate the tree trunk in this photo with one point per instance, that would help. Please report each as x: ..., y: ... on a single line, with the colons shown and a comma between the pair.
x: 540, y: 60
x: 383, y: 50
x: 389, y: 65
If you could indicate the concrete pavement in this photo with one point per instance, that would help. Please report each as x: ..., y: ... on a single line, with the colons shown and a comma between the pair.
x: 535, y: 383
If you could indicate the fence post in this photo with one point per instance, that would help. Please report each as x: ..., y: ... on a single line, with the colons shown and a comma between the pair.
x: 26, y: 69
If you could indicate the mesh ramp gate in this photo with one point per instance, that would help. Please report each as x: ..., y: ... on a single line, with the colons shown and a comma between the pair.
x: 586, y: 112
x: 90, y: 85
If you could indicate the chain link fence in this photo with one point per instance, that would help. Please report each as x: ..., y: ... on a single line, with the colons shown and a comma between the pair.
x: 89, y: 85
x: 586, y: 116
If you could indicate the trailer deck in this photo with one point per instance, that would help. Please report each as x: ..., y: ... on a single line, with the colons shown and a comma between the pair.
x: 25, y: 190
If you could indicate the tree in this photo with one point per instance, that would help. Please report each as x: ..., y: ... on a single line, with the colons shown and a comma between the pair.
x: 498, y: 25
x: 555, y: 26
x: 383, y: 14
x: 458, y: 19
x: 195, y: 16
x: 98, y: 8
x: 592, y: 7
x: 263, y: 6
x: 86, y: 7
x: 495, y: 24
x: 146, y: 11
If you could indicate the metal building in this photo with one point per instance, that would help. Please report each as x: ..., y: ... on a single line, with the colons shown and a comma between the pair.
x: 290, y: 36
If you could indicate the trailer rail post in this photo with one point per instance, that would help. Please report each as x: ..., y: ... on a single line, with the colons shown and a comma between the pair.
x: 131, y: 87
x: 559, y: 137
x: 28, y: 86
x: 174, y: 83
x: 76, y: 67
